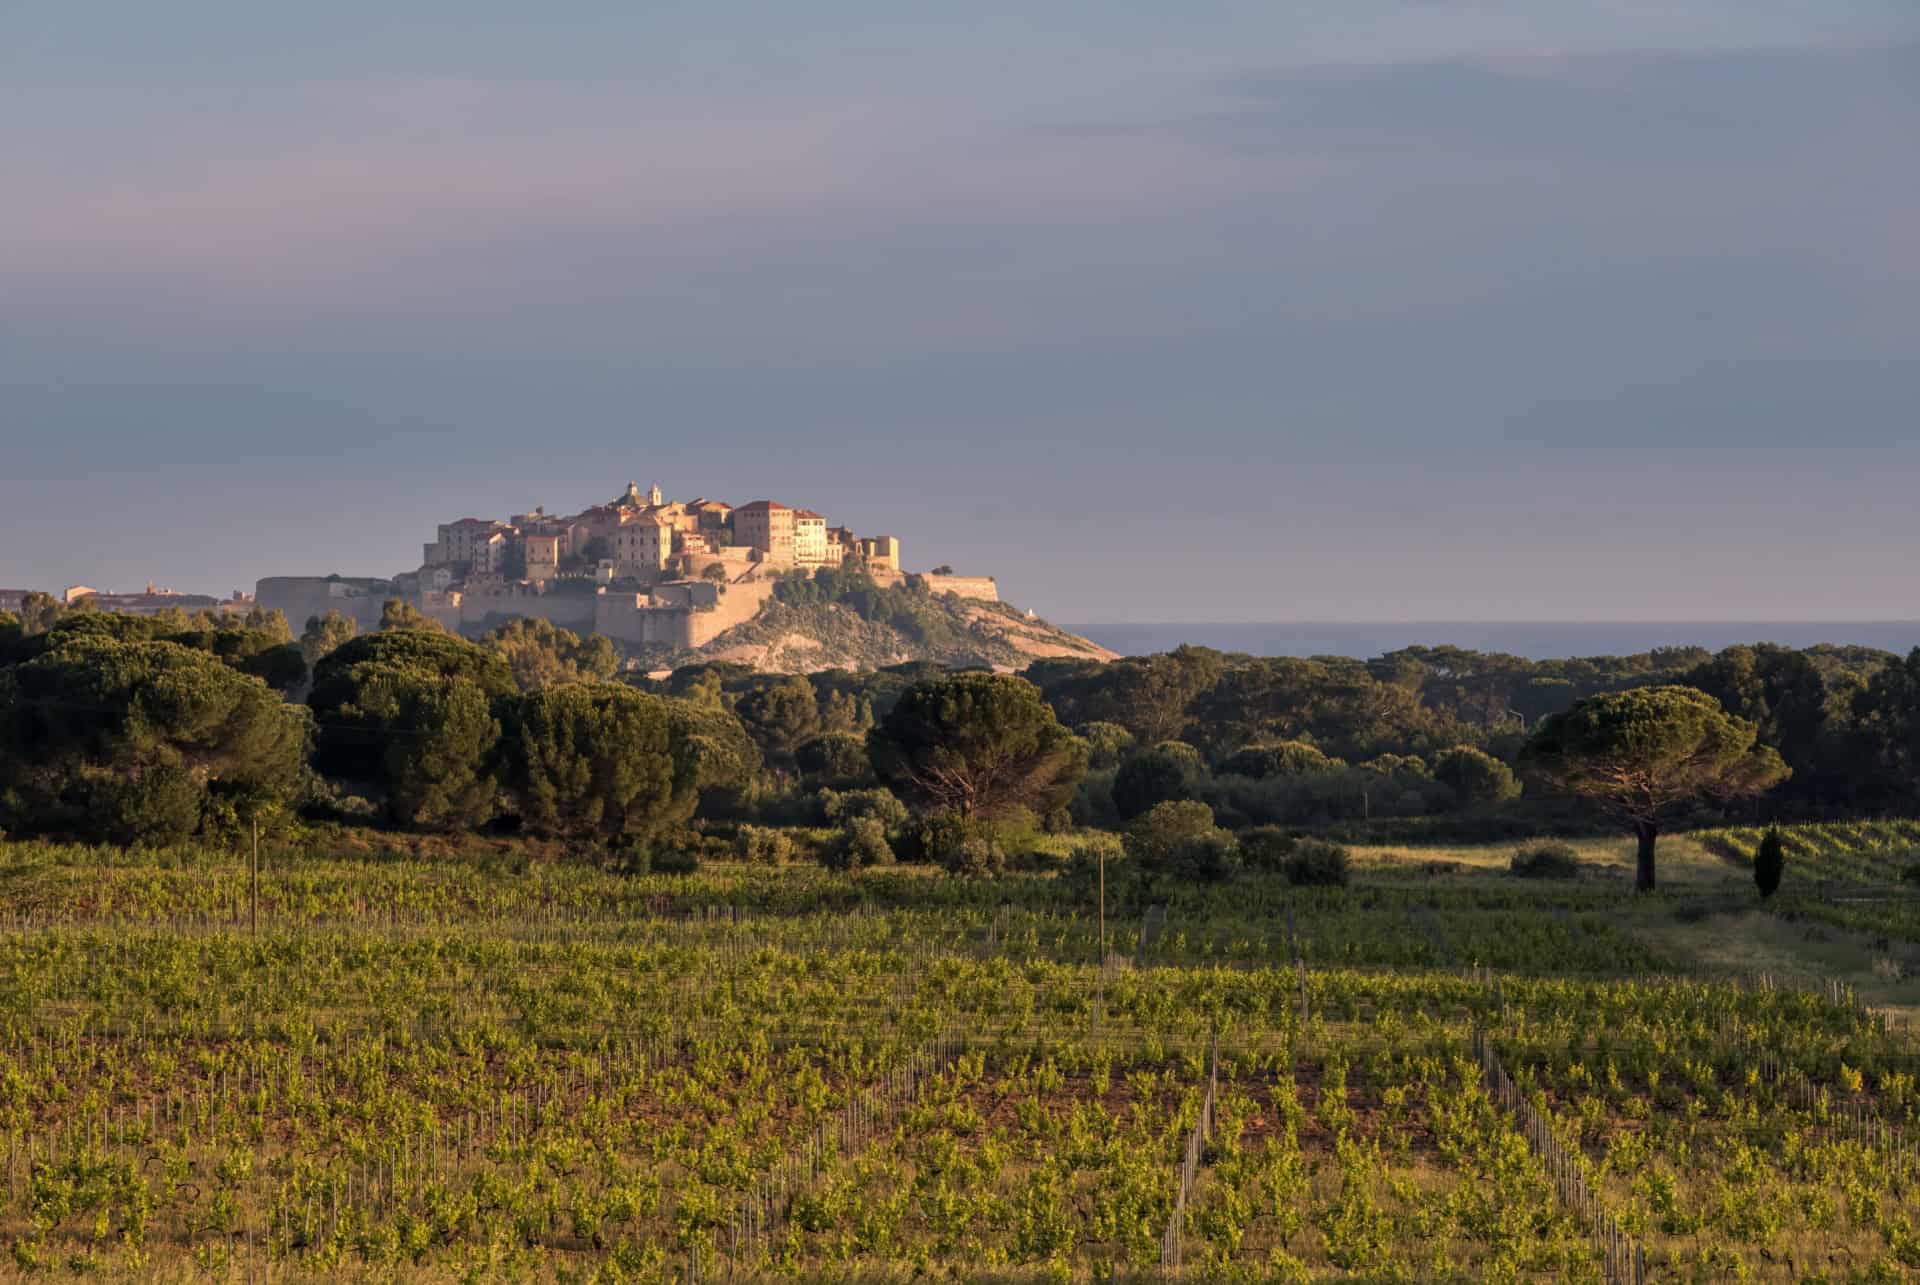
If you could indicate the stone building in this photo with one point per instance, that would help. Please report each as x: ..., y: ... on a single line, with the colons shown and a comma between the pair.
x: 882, y: 553
x: 543, y: 553
x: 768, y: 526
x: 809, y: 538
x: 640, y: 547
x: 460, y: 541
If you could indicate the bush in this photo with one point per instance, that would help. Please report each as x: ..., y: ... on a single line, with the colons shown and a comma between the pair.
x: 676, y: 861
x: 1476, y: 778
x: 1546, y: 861
x: 762, y: 846
x: 1318, y: 863
x: 977, y: 856
x: 878, y: 805
x: 958, y: 846
x: 1206, y: 858
x: 1168, y: 772
x: 1180, y: 839
x: 1265, y: 848
x: 159, y: 806
x: 1151, y: 837
x: 676, y: 854
x: 836, y: 759
x: 1770, y: 862
x: 861, y: 842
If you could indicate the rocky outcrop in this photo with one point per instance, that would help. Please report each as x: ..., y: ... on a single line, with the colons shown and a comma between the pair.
x: 945, y: 628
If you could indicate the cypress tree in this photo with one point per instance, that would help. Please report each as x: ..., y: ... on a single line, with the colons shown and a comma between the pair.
x: 1770, y: 862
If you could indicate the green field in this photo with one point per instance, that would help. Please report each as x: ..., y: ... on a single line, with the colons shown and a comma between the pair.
x: 486, y: 1064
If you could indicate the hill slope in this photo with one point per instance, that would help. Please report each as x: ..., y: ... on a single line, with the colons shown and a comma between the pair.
x: 798, y: 631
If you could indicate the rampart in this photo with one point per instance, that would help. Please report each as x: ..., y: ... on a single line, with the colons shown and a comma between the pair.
x: 979, y: 588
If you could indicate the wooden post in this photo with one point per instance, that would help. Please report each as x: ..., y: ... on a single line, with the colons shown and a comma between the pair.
x: 254, y: 879
x: 1103, y: 907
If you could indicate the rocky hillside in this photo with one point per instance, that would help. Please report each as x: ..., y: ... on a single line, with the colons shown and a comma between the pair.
x: 804, y: 628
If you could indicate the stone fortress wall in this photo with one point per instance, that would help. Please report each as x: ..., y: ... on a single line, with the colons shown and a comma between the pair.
x: 978, y: 588
x: 679, y: 615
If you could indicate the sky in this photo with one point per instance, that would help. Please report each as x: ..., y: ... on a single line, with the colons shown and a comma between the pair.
x: 1291, y: 310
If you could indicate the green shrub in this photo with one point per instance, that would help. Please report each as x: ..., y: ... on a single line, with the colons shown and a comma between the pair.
x: 1265, y: 848
x: 861, y: 842
x: 957, y: 845
x: 976, y: 855
x: 676, y: 861
x: 1770, y: 862
x: 1546, y: 861
x: 1151, y: 837
x: 1315, y: 862
x: 762, y: 846
x: 1476, y: 778
x: 837, y: 759
x: 671, y: 854
x: 879, y: 805
x: 1168, y: 772
x: 1180, y: 839
x: 1206, y: 858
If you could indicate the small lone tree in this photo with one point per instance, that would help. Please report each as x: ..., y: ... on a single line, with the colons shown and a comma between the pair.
x: 1639, y: 755
x: 1770, y: 862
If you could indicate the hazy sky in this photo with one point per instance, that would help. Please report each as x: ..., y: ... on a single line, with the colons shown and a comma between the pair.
x: 1296, y: 309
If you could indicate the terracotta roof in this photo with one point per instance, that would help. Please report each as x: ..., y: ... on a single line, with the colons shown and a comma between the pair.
x: 762, y: 506
x: 809, y: 513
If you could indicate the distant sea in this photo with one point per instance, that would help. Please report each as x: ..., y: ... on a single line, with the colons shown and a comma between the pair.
x: 1550, y: 640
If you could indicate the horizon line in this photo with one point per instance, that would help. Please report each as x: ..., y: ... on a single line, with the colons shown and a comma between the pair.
x: 1585, y: 621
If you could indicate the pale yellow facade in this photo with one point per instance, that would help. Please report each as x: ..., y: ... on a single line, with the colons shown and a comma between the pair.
x: 882, y: 553
x: 543, y: 555
x: 809, y: 538
x: 641, y: 547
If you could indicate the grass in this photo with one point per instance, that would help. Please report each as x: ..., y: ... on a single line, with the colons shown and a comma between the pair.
x: 1683, y: 862
x: 1705, y: 920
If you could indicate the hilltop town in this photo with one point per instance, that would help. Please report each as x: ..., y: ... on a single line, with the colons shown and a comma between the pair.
x: 670, y: 578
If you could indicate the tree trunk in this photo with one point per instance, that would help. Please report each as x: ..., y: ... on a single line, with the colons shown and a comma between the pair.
x: 1646, y: 832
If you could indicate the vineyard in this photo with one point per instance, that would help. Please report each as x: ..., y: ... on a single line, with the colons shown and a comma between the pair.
x: 1865, y: 875
x: 1866, y: 852
x: 459, y: 1069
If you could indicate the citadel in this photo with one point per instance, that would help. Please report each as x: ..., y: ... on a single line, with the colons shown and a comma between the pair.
x: 640, y: 569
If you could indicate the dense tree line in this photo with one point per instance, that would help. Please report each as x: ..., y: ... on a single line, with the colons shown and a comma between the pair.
x: 110, y: 732
x: 121, y: 727
x: 114, y: 728
x: 1844, y: 720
